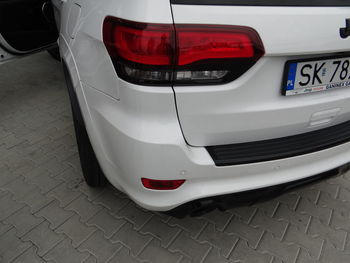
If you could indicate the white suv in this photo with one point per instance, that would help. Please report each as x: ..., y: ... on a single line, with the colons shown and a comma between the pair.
x: 183, y: 104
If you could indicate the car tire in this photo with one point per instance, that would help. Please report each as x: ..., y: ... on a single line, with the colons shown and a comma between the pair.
x: 92, y: 171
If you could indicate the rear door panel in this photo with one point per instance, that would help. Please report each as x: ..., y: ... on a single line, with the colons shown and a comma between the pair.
x: 253, y: 108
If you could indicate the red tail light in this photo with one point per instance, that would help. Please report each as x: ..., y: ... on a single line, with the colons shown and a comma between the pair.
x: 151, y: 46
x: 203, y: 43
x: 161, y: 184
x: 152, y: 54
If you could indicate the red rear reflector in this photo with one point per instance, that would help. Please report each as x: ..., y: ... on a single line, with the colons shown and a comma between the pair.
x: 195, y: 44
x: 167, y: 54
x: 161, y: 184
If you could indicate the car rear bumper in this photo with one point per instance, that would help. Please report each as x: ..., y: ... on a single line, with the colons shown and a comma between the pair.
x: 140, y: 136
x: 224, y: 202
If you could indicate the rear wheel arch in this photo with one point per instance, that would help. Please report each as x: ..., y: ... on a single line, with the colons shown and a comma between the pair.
x: 92, y: 171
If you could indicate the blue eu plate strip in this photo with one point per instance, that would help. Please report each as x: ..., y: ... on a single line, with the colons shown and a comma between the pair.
x: 291, y: 76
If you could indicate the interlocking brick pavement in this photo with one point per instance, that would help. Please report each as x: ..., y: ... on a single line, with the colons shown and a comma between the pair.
x: 49, y: 214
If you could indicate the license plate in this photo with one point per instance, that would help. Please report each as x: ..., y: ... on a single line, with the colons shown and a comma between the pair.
x: 316, y: 75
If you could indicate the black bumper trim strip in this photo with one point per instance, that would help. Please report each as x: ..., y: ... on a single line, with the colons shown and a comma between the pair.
x: 286, y: 147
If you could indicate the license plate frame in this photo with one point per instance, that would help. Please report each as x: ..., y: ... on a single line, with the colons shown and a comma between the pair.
x: 287, y: 73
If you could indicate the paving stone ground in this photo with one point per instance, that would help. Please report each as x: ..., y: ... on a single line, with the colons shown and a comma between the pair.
x: 49, y: 214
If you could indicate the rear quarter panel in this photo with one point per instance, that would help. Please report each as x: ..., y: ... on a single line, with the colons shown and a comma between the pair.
x: 92, y: 60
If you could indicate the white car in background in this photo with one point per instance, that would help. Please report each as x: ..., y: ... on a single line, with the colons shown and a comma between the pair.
x: 191, y: 105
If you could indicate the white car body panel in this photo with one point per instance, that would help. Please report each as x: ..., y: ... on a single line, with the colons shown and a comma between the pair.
x: 159, y: 132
